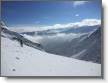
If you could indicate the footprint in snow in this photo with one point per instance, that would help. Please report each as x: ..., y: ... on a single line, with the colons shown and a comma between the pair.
x: 13, y: 70
x: 17, y: 58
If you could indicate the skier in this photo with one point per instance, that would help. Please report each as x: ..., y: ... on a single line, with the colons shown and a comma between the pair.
x: 21, y: 43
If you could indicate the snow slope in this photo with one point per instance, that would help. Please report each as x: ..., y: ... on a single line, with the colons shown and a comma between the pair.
x: 27, y: 61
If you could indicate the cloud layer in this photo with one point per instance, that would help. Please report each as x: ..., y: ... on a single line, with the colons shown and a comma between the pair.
x: 77, y: 3
x: 84, y: 22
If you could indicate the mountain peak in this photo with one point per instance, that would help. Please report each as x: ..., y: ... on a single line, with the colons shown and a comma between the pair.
x: 3, y: 25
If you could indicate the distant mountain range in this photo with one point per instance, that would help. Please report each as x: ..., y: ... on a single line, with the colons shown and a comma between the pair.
x: 89, y: 48
x: 85, y: 47
x: 84, y: 29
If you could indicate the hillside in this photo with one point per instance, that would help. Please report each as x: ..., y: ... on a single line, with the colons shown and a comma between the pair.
x: 31, y: 59
x: 27, y: 61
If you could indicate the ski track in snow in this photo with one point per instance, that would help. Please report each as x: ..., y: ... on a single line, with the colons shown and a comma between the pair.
x: 80, y: 53
x: 27, y: 61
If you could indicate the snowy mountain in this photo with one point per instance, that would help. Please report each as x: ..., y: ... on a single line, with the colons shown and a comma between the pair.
x: 83, y: 29
x: 80, y: 40
x: 29, y: 60
x: 90, y: 48
x: 18, y: 37
x: 84, y: 46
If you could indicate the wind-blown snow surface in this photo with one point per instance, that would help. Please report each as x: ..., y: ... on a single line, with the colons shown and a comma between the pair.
x: 27, y: 61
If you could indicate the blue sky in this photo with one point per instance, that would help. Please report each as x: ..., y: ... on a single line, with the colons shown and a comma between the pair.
x: 41, y: 13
